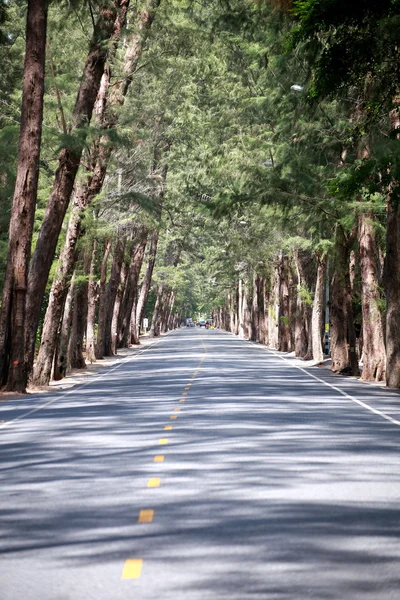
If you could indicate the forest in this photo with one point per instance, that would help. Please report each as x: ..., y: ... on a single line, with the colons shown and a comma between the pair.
x: 170, y: 158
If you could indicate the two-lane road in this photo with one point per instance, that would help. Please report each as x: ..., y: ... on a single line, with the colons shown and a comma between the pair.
x: 206, y: 468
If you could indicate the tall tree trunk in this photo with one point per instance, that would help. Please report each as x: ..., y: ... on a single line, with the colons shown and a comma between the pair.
x: 48, y: 344
x: 84, y: 194
x: 99, y: 346
x: 131, y: 289
x: 92, y: 305
x: 304, y: 267
x: 107, y: 26
x: 163, y: 313
x: 266, y: 302
x: 232, y: 312
x: 13, y: 315
x: 55, y: 307
x: 284, y: 343
x: 343, y: 336
x: 240, y: 308
x: 145, y: 288
x: 226, y: 315
x: 155, y: 325
x: 236, y: 316
x: 255, y: 310
x: 263, y: 308
x: 374, y: 353
x: 169, y: 320
x: 318, y: 311
x: 247, y: 303
x: 392, y: 286
x: 61, y: 357
x: 111, y: 294
x: 88, y: 187
x: 117, y: 307
x: 110, y: 98
x: 244, y: 310
x: 75, y: 346
x: 134, y: 330
x: 273, y: 310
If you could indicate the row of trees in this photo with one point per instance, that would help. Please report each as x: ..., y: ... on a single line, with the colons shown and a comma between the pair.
x: 235, y: 157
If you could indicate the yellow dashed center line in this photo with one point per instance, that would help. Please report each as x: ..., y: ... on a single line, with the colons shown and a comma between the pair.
x: 153, y: 482
x: 146, y: 516
x: 132, y: 568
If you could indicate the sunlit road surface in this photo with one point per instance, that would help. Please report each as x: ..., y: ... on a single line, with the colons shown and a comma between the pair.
x: 206, y: 468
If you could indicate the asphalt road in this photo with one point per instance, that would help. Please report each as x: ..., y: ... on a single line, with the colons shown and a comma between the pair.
x: 206, y: 468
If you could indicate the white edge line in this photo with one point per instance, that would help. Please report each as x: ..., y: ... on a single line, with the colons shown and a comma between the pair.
x: 343, y: 393
x: 333, y: 387
x: 81, y: 385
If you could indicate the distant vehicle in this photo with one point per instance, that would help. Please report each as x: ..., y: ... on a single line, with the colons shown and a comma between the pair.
x: 201, y: 323
x: 189, y: 322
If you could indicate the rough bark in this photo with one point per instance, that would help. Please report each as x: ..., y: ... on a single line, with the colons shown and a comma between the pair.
x: 155, y: 324
x: 374, y: 353
x: 244, y: 310
x: 164, y: 311
x: 130, y: 298
x: 273, y: 309
x: 49, y: 338
x: 255, y: 310
x: 112, y: 289
x: 146, y: 284
x: 318, y: 311
x: 342, y: 331
x: 392, y: 286
x: 304, y: 266
x: 61, y: 356
x: 337, y: 324
x: 99, y: 346
x: 13, y: 315
x: 117, y: 307
x: 69, y: 160
x: 264, y: 299
x: 169, y: 319
x: 75, y: 346
x: 284, y: 341
x: 92, y: 305
x: 134, y: 330
x: 235, y: 310
x: 55, y: 307
x: 240, y: 308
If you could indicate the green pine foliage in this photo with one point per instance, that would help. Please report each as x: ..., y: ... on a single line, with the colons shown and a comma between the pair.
x: 254, y: 164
